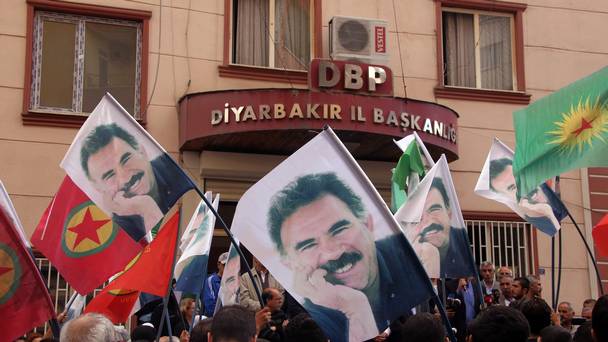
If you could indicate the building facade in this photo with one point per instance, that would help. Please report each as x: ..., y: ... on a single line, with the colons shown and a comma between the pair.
x: 178, y: 65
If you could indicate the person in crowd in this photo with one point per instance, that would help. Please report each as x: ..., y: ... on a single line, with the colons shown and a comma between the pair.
x: 186, y: 307
x: 486, y: 270
x: 302, y: 328
x: 503, y: 271
x: 506, y: 294
x: 566, y: 313
x: 90, y: 327
x: 599, y: 319
x: 248, y: 297
x: 273, y: 330
x: 200, y: 330
x: 519, y: 290
x: 33, y: 336
x: 583, y: 333
x: 554, y: 333
x: 588, y: 305
x: 499, y: 324
x: 536, y: 287
x: 233, y: 323
x: 211, y: 287
x: 423, y: 327
x: 538, y: 313
x: 144, y: 333
x: 468, y: 293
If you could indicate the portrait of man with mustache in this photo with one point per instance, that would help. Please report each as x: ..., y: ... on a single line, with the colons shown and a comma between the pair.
x: 138, y: 191
x: 350, y: 282
x: 434, y: 230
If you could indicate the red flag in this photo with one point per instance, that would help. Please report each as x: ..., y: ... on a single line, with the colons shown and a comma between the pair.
x: 600, y: 236
x: 114, y: 304
x: 152, y: 271
x: 24, y: 300
x: 81, y: 241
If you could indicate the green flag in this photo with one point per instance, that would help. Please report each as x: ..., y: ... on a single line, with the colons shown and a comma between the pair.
x: 563, y: 131
x: 409, y: 171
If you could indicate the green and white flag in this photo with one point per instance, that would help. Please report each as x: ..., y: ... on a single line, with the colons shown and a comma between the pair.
x: 563, y: 131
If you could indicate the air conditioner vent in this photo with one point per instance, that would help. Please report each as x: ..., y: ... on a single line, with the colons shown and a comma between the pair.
x: 358, y: 39
x: 353, y: 36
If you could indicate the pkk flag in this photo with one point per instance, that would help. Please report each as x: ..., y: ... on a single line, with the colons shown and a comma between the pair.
x: 432, y: 222
x: 410, y: 169
x: 114, y: 304
x: 323, y: 231
x: 600, y: 236
x: 541, y: 207
x: 124, y: 170
x: 191, y: 268
x: 152, y: 271
x: 9, y: 209
x: 562, y: 131
x: 24, y: 300
x: 81, y: 241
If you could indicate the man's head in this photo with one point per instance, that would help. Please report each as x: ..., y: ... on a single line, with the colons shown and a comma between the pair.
x: 520, y: 287
x: 538, y: 314
x: 501, y: 177
x: 221, y: 263
x: 114, y: 162
x: 318, y: 222
x: 599, y: 319
x: 201, y: 330
x: 504, y: 271
x: 273, y: 298
x: 233, y: 323
x: 423, y: 327
x: 499, y: 324
x: 259, y: 267
x: 88, y: 327
x: 434, y: 224
x: 587, y: 310
x: 486, y: 269
x: 302, y: 328
x: 536, y: 287
x: 565, y: 312
x: 506, y: 282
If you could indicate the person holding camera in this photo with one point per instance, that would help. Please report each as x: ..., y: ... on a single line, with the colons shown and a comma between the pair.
x: 273, y: 330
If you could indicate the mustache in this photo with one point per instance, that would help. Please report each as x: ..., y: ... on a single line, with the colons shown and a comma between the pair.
x: 128, y: 185
x: 429, y: 229
x: 333, y: 265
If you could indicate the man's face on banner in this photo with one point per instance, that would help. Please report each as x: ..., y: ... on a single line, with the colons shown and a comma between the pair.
x: 120, y: 168
x: 434, y: 226
x: 325, y: 234
x: 504, y: 183
x: 231, y: 271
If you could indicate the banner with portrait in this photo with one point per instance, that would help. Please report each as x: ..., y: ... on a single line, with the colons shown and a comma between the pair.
x: 231, y: 279
x: 117, y: 164
x: 432, y: 222
x: 323, y: 231
x: 540, y: 208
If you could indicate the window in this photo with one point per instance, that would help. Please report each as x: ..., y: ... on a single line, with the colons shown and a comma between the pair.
x: 480, y: 51
x: 77, y: 59
x: 505, y: 243
x: 477, y: 50
x: 272, y: 33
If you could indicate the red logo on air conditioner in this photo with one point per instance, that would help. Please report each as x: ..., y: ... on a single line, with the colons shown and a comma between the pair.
x: 380, y: 32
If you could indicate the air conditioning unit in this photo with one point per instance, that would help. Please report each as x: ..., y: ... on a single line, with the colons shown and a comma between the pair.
x: 358, y: 39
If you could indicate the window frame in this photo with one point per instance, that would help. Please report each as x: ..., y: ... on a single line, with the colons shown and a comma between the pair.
x: 242, y: 71
x: 94, y: 13
x: 515, y: 10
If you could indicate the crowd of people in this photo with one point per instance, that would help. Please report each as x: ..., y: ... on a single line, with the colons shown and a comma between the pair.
x: 500, y: 308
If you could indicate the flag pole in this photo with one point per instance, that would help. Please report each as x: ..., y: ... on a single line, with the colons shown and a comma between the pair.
x: 553, y: 273
x: 559, y: 267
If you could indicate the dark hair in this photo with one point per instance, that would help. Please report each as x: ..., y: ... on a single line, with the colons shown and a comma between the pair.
x: 524, y: 282
x: 267, y: 294
x: 499, y: 324
x: 305, y: 190
x: 497, y: 166
x: 438, y: 184
x: 302, y: 328
x: 590, y: 301
x: 555, y: 334
x: 538, y: 314
x: 233, y: 322
x: 143, y: 333
x: 101, y: 137
x: 599, y: 319
x: 583, y: 333
x: 200, y: 330
x: 423, y: 327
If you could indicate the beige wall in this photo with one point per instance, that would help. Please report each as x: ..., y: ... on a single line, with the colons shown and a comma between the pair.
x: 564, y: 40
